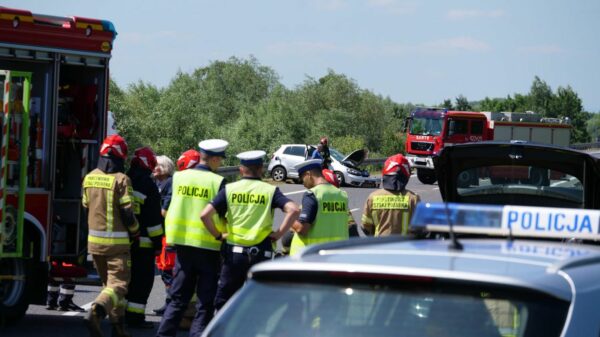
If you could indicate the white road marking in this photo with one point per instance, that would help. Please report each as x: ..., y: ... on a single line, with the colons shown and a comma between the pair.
x: 86, y: 306
x: 354, y: 210
x: 295, y: 192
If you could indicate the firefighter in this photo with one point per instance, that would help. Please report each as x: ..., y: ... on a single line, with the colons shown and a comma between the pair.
x: 198, y: 259
x: 112, y: 225
x: 147, y: 211
x: 323, y: 150
x: 324, y: 216
x: 248, y: 205
x: 389, y: 209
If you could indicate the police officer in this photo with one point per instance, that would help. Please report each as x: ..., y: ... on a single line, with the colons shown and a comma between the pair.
x: 286, y: 240
x: 248, y: 204
x: 324, y: 216
x: 147, y: 211
x: 198, y: 258
x: 389, y: 209
x: 107, y: 196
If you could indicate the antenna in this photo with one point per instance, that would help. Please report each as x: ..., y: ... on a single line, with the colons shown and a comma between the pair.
x: 455, y: 244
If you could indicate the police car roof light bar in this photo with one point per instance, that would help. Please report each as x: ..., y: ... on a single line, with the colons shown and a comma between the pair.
x: 455, y: 244
x: 507, y: 221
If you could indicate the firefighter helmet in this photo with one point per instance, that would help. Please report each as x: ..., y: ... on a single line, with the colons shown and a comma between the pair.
x: 330, y: 176
x: 144, y: 157
x: 396, y: 164
x: 115, y: 145
x: 188, y: 159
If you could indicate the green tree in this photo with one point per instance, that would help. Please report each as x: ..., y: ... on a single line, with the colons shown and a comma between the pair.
x: 462, y: 104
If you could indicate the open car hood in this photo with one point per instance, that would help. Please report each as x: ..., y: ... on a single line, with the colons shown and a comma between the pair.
x: 356, y: 158
x: 518, y: 173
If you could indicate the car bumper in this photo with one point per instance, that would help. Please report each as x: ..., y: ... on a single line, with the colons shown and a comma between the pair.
x: 360, y: 181
x: 420, y: 162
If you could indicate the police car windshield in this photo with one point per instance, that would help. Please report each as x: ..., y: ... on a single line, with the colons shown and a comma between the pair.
x: 426, y: 126
x: 399, y: 309
x: 527, y: 182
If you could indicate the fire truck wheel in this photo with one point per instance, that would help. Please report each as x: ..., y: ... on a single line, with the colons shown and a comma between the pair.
x: 426, y: 176
x: 13, y: 286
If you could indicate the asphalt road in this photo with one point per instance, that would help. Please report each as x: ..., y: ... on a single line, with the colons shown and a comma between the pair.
x: 41, y: 322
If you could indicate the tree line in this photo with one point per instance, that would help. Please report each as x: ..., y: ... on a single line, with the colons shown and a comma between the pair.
x: 244, y: 102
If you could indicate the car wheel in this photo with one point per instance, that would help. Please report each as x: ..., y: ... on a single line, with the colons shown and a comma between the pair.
x: 340, y: 177
x: 279, y: 173
x: 426, y: 176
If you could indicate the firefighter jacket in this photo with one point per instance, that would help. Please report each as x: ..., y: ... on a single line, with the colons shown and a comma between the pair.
x: 107, y: 196
x: 388, y: 212
x: 331, y: 223
x: 146, y: 207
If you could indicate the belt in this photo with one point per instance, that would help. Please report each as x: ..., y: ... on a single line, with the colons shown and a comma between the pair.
x: 251, y: 251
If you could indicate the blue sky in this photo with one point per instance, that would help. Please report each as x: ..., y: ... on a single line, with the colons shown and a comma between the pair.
x: 411, y: 51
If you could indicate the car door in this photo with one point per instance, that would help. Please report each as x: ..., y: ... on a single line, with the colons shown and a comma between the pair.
x: 292, y: 155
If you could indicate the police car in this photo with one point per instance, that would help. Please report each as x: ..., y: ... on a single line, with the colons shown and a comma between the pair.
x: 501, y: 271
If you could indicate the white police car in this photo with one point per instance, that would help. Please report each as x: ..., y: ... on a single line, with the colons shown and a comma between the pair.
x: 503, y: 271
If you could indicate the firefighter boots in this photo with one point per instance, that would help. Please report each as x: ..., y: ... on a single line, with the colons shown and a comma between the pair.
x: 93, y: 320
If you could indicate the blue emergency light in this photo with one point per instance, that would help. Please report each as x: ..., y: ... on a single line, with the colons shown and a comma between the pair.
x: 517, y: 221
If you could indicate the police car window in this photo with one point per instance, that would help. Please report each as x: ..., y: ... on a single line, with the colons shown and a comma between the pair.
x: 520, y: 180
x: 353, y: 310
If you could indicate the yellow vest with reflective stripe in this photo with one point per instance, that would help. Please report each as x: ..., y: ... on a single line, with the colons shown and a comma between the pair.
x: 192, y: 190
x: 331, y: 223
x: 249, y: 211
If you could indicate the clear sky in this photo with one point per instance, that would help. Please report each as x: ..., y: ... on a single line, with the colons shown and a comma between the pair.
x: 411, y: 51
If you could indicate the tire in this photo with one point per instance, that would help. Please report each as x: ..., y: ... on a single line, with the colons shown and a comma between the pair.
x: 538, y: 177
x: 13, y: 292
x: 279, y: 173
x: 426, y: 176
x: 467, y: 178
x: 340, y: 177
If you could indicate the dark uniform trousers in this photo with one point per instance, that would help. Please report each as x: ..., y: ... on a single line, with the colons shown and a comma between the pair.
x: 142, y: 280
x: 196, y: 270
x: 237, y: 261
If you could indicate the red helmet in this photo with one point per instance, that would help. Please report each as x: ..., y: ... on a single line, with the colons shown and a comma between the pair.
x: 145, y: 157
x: 396, y: 164
x: 324, y: 141
x: 330, y: 177
x: 115, y: 145
x: 188, y: 159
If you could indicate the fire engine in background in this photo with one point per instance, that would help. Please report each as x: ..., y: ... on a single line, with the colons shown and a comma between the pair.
x: 54, y: 78
x: 428, y: 130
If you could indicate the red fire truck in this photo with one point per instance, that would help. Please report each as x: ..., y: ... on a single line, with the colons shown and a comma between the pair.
x: 54, y: 79
x: 428, y: 130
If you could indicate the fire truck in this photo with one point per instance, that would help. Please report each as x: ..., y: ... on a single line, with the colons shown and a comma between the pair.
x: 54, y: 78
x: 428, y: 130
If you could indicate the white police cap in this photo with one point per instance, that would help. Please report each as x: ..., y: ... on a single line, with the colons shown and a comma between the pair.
x: 213, y: 147
x: 251, y: 157
x: 308, y: 165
